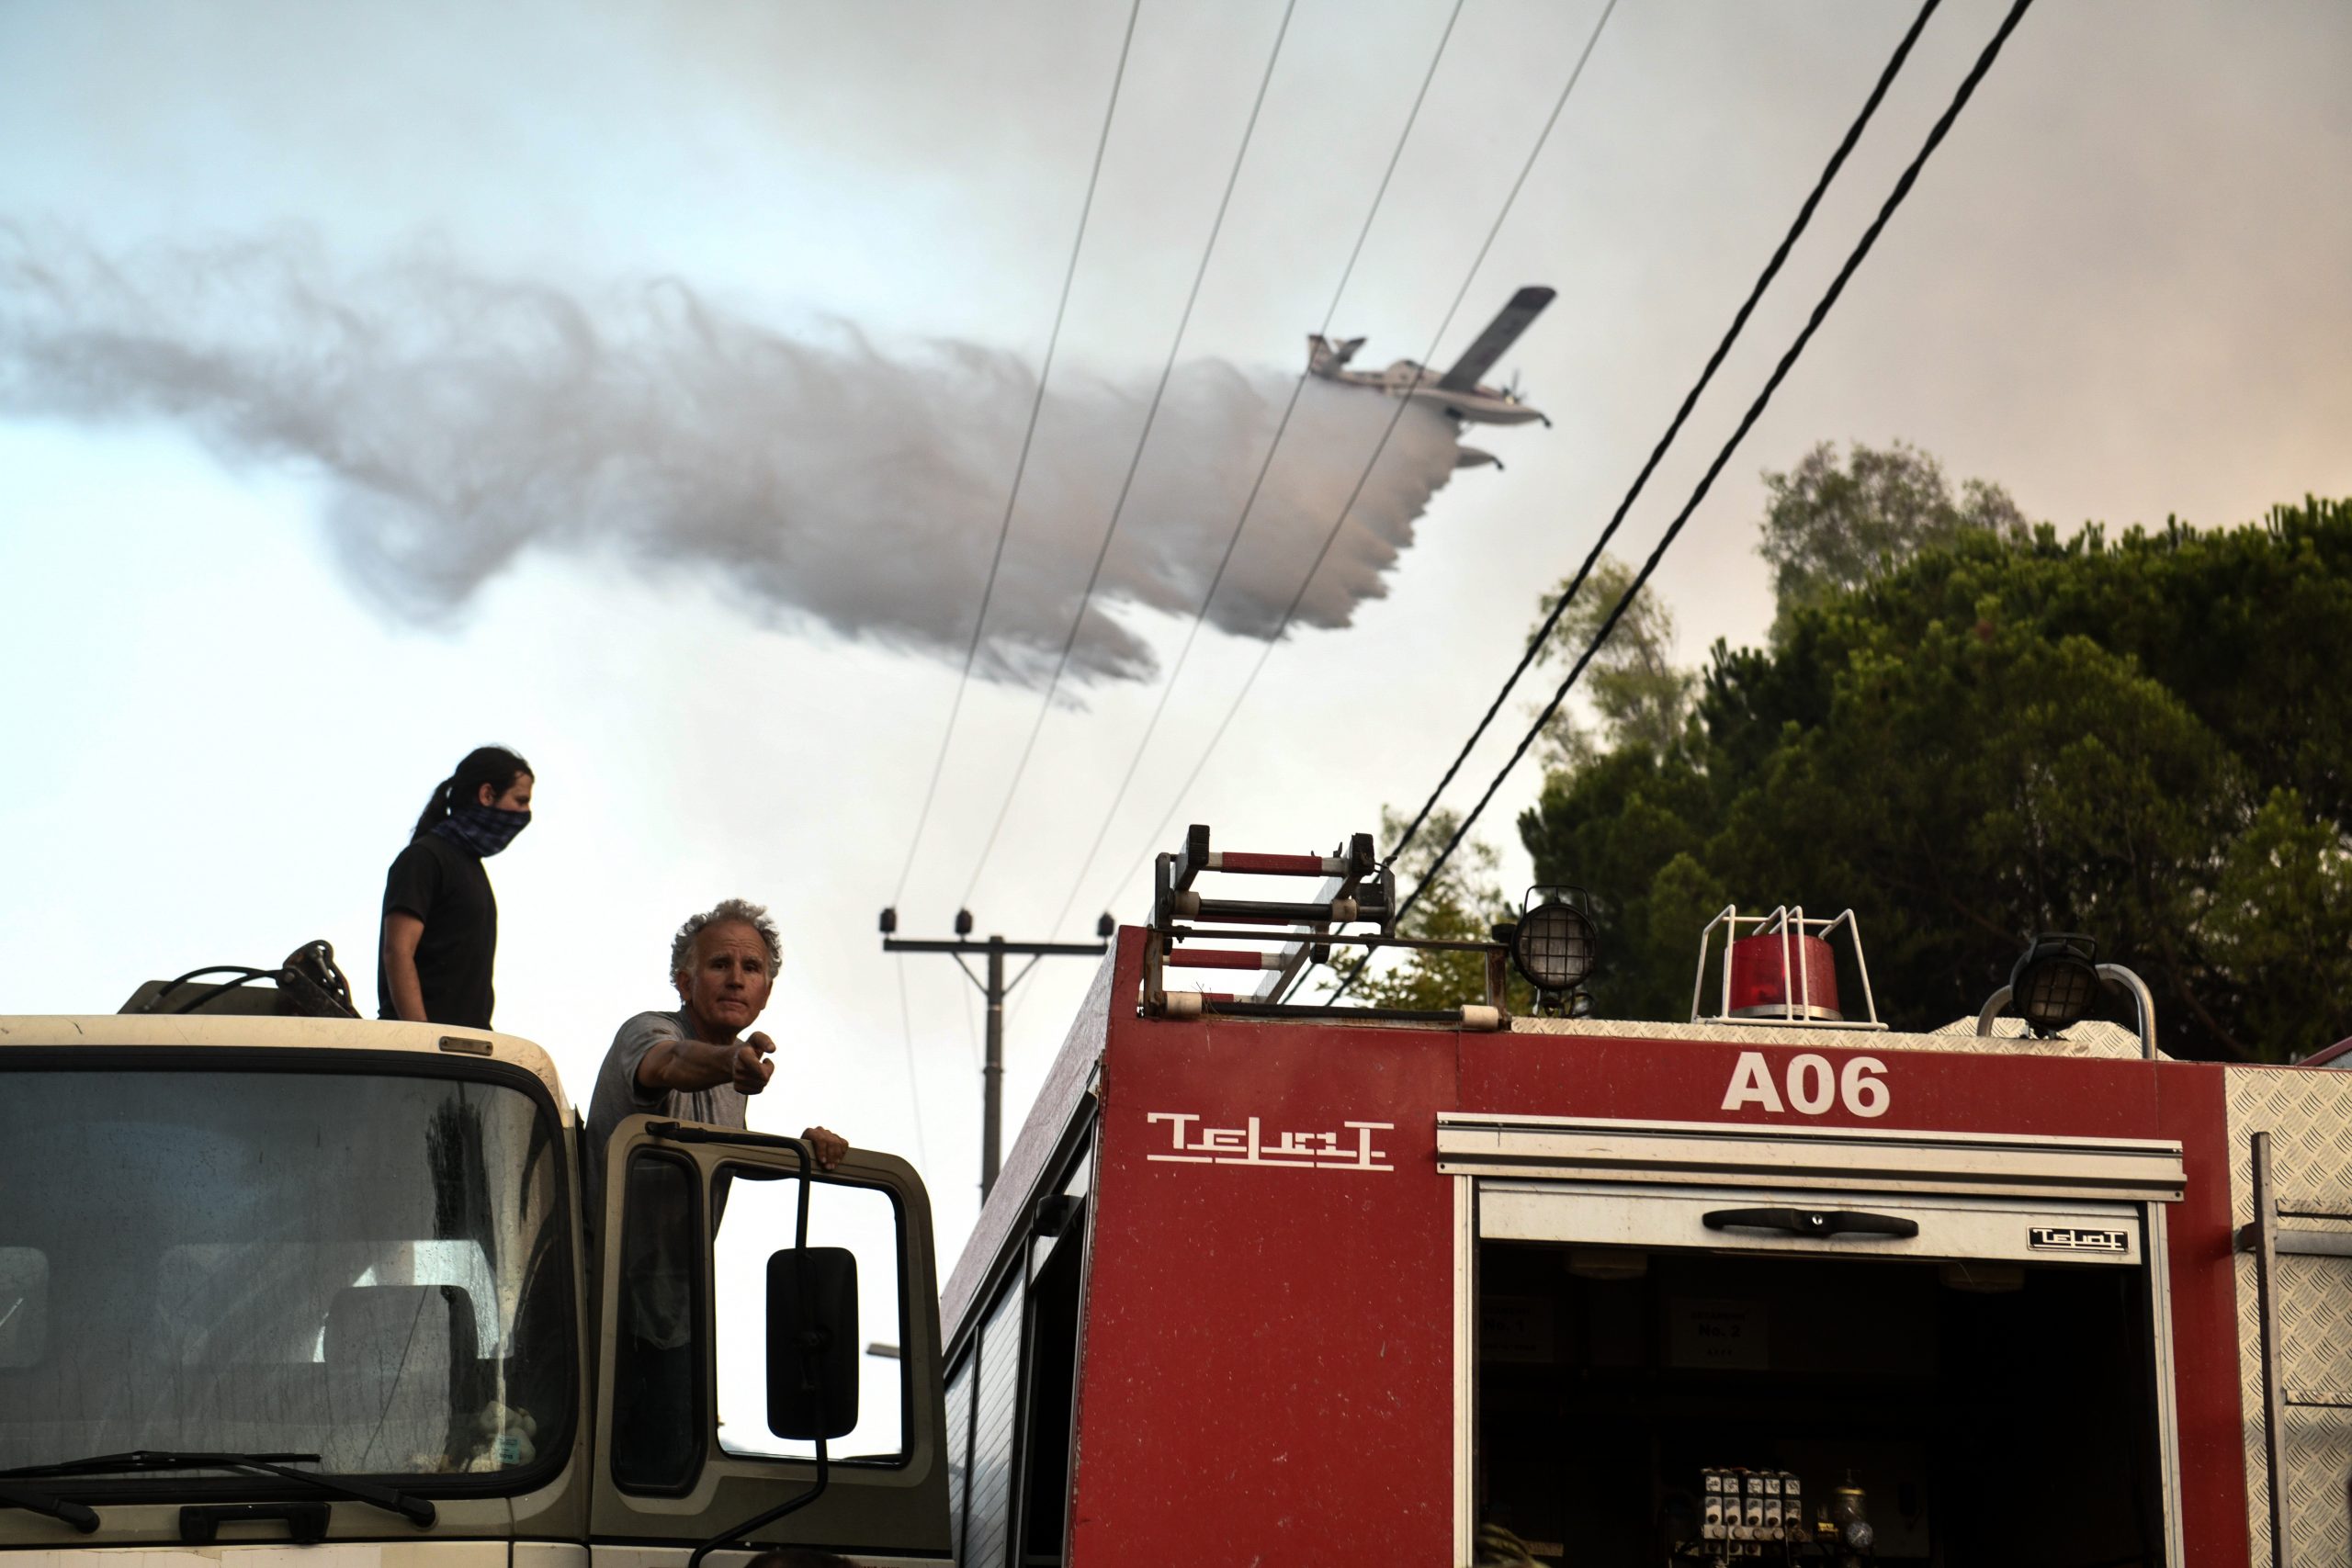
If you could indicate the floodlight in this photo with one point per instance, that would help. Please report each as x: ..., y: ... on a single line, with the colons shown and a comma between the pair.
x: 1553, y: 943
x: 2054, y: 982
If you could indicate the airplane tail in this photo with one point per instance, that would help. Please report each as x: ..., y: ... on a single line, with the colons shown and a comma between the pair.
x: 1325, y: 357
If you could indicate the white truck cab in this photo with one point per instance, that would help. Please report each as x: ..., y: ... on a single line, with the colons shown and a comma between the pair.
x: 270, y: 1281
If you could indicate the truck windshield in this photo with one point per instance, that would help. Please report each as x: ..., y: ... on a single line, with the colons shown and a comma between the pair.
x: 372, y: 1267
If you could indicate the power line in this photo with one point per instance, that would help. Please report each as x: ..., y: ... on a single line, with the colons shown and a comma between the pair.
x: 1281, y: 427
x: 993, y: 951
x: 1021, y: 466
x: 1290, y: 613
x: 914, y: 1085
x: 1731, y: 335
x: 1118, y: 508
x: 1755, y: 409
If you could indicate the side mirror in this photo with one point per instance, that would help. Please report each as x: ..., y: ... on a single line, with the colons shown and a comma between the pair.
x: 812, y: 1342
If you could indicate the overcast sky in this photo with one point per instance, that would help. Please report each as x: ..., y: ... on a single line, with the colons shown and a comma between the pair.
x: 2119, y: 290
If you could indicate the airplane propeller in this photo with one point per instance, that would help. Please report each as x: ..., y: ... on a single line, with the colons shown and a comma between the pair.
x: 1511, y: 393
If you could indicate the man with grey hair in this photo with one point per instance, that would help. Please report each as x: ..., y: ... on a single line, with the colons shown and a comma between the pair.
x: 697, y: 1063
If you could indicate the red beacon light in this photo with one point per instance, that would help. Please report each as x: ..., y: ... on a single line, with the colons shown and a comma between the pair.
x: 1762, y: 967
x: 1780, y: 967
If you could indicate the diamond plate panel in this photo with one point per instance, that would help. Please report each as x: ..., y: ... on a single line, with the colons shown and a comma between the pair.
x: 2308, y: 1114
x: 2091, y: 1038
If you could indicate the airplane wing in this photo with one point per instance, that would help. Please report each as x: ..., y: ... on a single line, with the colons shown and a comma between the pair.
x: 1496, y: 341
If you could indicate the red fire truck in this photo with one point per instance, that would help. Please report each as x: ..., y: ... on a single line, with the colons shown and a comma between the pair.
x: 1264, y: 1285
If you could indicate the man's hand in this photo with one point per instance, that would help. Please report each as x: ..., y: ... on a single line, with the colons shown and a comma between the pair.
x: 749, y: 1067
x: 690, y: 1064
x: 830, y: 1147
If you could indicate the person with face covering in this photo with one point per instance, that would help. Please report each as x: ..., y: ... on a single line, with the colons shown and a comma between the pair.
x: 440, y: 929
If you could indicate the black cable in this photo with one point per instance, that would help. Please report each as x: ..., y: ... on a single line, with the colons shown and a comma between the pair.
x: 1731, y: 335
x: 1119, y: 507
x: 1755, y: 409
x: 1281, y: 427
x: 1021, y: 466
x: 246, y: 970
x: 1200, y: 761
x: 246, y: 974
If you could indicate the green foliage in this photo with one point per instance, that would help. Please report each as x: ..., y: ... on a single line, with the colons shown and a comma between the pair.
x: 2145, y: 740
x: 1828, y: 529
x: 1642, y: 697
x: 1642, y: 862
x: 1462, y: 905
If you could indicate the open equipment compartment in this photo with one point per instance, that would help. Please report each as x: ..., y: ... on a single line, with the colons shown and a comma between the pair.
x: 1684, y: 1364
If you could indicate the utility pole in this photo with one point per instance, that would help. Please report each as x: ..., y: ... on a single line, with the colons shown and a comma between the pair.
x: 994, y: 988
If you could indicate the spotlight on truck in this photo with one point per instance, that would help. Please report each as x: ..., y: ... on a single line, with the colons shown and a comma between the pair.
x: 1553, y: 944
x: 2056, y: 981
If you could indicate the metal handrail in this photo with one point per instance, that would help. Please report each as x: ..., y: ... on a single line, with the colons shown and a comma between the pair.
x: 2144, y: 1005
x: 1788, y: 921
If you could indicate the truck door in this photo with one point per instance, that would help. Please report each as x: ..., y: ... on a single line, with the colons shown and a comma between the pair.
x: 700, y: 1430
x: 1709, y: 1342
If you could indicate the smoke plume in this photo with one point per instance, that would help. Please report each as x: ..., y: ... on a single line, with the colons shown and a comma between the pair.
x: 460, y: 421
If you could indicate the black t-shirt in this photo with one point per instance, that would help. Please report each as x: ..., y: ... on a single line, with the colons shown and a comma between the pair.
x: 443, y: 883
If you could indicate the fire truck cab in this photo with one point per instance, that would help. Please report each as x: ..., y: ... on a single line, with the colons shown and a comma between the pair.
x: 1268, y: 1286
x: 336, y: 1287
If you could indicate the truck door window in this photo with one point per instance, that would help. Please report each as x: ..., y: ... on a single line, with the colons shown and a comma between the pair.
x: 1052, y: 1386
x: 24, y: 1305
x: 757, y: 1219
x: 959, y: 1449
x: 658, y: 1412
x: 996, y: 1403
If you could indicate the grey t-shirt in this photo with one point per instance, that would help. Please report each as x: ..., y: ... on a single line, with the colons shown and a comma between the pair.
x: 657, y: 1279
x: 617, y: 1097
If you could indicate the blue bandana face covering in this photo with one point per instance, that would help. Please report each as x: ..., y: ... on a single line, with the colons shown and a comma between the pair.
x: 485, y: 830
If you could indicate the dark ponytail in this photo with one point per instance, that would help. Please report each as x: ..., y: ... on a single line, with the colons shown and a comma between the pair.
x: 491, y: 765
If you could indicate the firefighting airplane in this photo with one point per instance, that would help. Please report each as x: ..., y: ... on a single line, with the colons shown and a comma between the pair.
x: 1456, y: 393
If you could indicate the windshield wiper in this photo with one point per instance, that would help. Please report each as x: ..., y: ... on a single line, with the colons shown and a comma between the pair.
x: 416, y: 1510
x: 74, y: 1513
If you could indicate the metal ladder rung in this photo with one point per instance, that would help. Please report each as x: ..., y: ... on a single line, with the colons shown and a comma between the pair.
x: 2320, y: 1399
x: 2298, y: 1241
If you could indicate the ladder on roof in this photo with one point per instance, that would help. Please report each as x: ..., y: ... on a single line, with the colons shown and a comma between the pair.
x: 1287, y: 935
